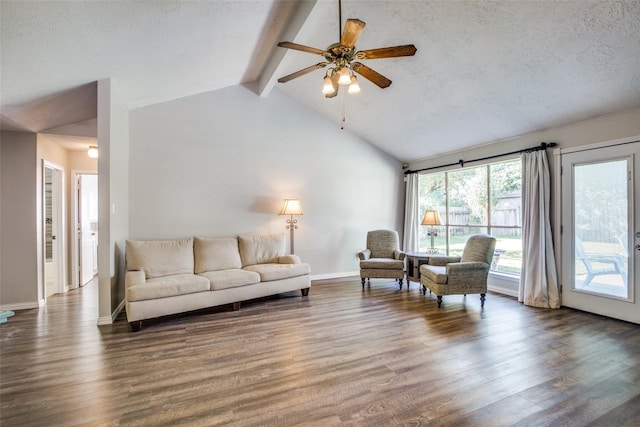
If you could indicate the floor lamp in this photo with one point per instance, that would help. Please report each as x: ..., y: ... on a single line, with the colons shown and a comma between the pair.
x: 291, y: 207
x: 431, y: 218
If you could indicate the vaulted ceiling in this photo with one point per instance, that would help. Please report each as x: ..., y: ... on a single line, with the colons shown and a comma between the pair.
x: 483, y: 70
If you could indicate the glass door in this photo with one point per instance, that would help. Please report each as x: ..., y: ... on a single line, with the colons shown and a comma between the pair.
x: 599, y: 221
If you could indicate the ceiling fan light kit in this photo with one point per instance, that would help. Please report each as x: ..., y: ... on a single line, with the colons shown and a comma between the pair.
x: 327, y: 88
x: 340, y: 57
x: 345, y: 77
x: 354, y: 87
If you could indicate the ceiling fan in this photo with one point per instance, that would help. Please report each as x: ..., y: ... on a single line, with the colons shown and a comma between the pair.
x: 341, y: 56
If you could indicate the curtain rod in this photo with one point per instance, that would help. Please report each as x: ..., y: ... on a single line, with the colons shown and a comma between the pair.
x: 542, y: 146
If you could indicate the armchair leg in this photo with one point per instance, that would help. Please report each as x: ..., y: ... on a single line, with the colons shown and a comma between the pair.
x: 482, y: 298
x: 439, y: 300
x: 400, y: 280
x: 362, y: 280
x: 424, y: 290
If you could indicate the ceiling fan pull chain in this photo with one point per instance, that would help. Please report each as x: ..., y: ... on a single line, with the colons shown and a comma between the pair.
x: 344, y: 119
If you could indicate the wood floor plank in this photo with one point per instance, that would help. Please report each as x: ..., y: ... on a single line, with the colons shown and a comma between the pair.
x: 340, y: 357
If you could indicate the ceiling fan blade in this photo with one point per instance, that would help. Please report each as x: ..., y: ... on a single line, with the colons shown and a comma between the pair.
x: 303, y: 48
x: 336, y: 86
x: 352, y: 30
x: 302, y: 72
x: 388, y: 52
x: 372, y: 76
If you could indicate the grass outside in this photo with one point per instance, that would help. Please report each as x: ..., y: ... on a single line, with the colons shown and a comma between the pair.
x: 510, y: 261
x: 508, y: 250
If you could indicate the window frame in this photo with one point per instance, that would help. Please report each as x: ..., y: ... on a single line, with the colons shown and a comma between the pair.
x: 488, y: 227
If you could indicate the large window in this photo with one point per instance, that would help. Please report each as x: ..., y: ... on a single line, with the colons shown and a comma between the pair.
x: 483, y: 199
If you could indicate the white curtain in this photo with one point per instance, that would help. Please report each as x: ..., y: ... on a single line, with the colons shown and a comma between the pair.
x: 411, y: 214
x: 539, y: 279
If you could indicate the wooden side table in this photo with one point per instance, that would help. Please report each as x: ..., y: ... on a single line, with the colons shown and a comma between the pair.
x: 414, y: 261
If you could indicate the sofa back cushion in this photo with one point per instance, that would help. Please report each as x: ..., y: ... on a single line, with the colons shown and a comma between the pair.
x: 216, y: 253
x: 261, y: 249
x: 159, y: 258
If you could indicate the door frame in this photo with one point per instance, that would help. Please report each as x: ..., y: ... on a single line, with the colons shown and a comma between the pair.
x: 75, y: 233
x: 557, y: 200
x: 58, y: 199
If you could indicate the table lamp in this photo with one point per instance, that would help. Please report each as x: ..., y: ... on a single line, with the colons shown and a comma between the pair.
x: 431, y: 218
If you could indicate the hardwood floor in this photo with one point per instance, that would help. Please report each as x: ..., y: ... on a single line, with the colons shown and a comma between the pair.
x: 342, y: 356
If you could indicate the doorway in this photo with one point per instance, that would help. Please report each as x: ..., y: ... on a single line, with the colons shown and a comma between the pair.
x: 85, y: 248
x: 601, y: 230
x: 53, y: 228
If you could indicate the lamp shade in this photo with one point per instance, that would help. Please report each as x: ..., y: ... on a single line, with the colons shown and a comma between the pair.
x: 345, y: 77
x: 354, y: 87
x: 92, y: 152
x: 291, y: 207
x: 431, y: 217
x: 327, y: 87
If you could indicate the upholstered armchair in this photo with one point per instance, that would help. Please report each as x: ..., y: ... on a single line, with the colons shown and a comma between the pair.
x: 382, y: 257
x: 450, y: 275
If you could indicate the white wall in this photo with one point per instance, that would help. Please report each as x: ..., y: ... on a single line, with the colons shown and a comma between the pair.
x: 113, y: 198
x: 604, y: 128
x: 221, y: 163
x: 18, y: 232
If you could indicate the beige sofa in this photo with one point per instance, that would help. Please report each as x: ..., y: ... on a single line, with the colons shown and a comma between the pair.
x: 166, y: 277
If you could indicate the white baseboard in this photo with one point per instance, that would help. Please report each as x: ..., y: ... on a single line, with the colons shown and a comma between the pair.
x: 105, y: 320
x: 108, y: 320
x: 335, y: 275
x: 504, y: 291
x: 20, y: 306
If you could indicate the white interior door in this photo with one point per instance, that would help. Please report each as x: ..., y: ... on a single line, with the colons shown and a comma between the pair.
x: 53, y: 229
x: 88, y: 226
x: 601, y: 231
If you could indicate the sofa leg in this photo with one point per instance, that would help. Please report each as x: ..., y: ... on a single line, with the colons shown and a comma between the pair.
x: 439, y: 300
x: 424, y: 290
x: 362, y: 280
x: 136, y: 326
x: 482, y: 298
x: 236, y: 306
x: 304, y: 292
x: 400, y: 281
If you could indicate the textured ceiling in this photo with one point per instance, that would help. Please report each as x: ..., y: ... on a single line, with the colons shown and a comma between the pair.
x: 483, y: 71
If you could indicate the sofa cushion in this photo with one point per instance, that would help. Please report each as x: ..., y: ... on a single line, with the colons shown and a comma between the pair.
x: 261, y: 249
x: 224, y: 279
x: 434, y: 273
x: 382, y: 263
x: 216, y: 253
x: 269, y: 272
x: 168, y: 286
x: 159, y: 258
